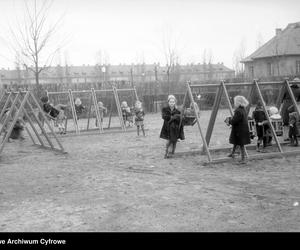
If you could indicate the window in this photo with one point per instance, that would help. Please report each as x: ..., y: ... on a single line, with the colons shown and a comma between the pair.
x: 297, y: 67
x: 251, y: 71
x: 270, y: 69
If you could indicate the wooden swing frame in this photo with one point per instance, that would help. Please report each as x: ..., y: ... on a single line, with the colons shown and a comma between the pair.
x: 94, y: 102
x: 17, y: 103
x: 222, y: 89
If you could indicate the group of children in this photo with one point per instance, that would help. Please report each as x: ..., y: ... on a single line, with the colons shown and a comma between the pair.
x: 240, y: 135
x: 57, y: 113
x: 172, y: 129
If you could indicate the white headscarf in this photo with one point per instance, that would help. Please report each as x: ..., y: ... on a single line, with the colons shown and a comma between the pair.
x: 171, y: 97
x: 78, y: 101
x: 240, y: 100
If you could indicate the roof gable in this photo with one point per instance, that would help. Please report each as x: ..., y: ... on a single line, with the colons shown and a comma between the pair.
x: 285, y: 43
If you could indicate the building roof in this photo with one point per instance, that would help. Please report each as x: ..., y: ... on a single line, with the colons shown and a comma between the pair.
x: 285, y: 42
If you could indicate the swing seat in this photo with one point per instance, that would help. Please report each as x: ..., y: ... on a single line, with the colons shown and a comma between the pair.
x: 189, y: 117
x: 189, y: 120
x: 252, y: 130
x: 278, y: 126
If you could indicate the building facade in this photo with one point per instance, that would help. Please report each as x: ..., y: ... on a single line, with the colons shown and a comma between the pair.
x: 279, y: 57
x: 130, y: 73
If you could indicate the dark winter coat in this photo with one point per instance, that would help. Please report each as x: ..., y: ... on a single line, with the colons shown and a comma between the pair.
x: 287, y: 102
x: 260, y: 116
x: 49, y: 109
x: 16, y: 132
x: 171, y: 129
x: 293, y: 119
x: 240, y: 130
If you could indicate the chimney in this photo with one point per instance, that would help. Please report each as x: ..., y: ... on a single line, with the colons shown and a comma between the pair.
x: 278, y: 31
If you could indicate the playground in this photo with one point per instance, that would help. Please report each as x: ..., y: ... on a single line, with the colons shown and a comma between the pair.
x: 121, y: 182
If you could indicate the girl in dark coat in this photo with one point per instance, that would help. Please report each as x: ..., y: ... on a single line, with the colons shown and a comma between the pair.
x: 293, y: 129
x: 240, y: 135
x: 286, y: 103
x: 171, y: 130
x: 262, y: 126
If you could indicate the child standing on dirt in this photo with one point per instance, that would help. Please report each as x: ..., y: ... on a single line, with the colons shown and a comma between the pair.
x: 261, y: 125
x: 239, y: 135
x: 139, y: 117
x: 17, y: 132
x: 172, y: 129
x: 293, y: 129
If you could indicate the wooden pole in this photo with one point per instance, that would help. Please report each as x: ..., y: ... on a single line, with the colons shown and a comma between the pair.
x: 214, y: 113
x: 9, y: 114
x: 267, y: 115
x: 198, y: 123
x: 46, y: 121
x: 97, y: 110
x: 5, y: 105
x: 14, y: 119
x: 73, y: 111
x: 119, y: 109
x: 89, y: 113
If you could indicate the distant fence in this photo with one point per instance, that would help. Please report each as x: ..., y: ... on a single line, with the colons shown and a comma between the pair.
x: 152, y: 94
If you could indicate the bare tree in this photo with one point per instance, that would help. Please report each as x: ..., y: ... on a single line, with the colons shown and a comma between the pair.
x: 239, y: 54
x: 171, y: 53
x: 210, y: 64
x: 259, y: 40
x: 31, y: 37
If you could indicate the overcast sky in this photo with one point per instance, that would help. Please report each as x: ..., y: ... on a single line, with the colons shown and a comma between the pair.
x: 131, y: 31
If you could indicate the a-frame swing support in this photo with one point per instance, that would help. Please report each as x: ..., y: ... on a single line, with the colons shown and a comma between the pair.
x: 221, y: 89
x: 19, y: 106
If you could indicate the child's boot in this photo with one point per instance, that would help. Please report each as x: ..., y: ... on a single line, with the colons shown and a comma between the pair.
x: 291, y: 141
x: 166, y: 153
x: 243, y: 155
x: 296, y: 141
x: 173, y: 148
x: 232, y: 152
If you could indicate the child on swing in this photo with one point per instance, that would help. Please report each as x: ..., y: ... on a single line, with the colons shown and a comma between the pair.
x: 126, y: 113
x: 172, y: 129
x: 139, y: 117
x: 55, y: 113
x: 78, y: 107
x: 102, y: 110
x: 61, y: 118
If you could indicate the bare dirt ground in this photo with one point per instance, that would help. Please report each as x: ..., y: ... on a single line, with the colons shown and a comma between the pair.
x: 120, y: 182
